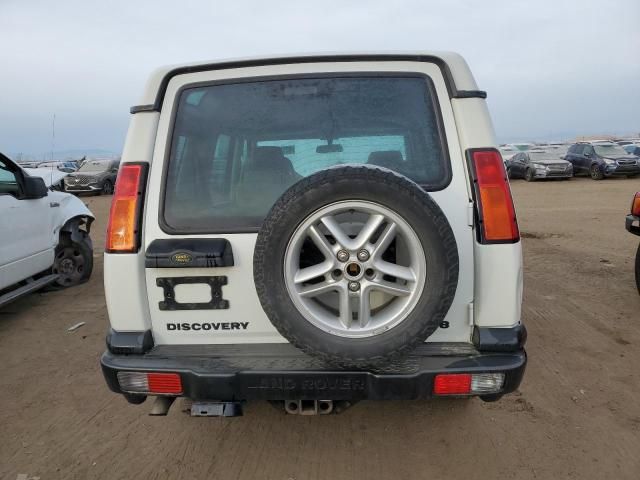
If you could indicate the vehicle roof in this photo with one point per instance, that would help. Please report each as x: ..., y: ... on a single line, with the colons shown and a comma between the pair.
x: 598, y: 142
x: 454, y: 68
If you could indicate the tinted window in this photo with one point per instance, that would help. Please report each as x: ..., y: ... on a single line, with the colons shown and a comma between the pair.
x: 8, y: 181
x: 94, y: 166
x: 237, y: 147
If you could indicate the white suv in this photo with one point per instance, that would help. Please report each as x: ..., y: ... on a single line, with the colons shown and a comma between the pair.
x: 313, y: 231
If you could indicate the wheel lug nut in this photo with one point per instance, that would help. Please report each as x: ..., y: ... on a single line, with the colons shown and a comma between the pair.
x: 354, y: 286
x: 343, y: 255
x: 363, y: 255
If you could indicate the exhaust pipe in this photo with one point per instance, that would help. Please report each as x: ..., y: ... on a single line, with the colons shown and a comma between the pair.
x: 161, y: 406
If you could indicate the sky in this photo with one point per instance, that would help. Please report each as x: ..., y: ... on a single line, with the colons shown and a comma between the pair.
x: 553, y: 69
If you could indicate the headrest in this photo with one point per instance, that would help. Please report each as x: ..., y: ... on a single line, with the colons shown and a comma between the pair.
x: 270, y: 159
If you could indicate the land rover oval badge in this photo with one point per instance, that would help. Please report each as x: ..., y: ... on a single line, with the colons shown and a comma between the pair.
x: 182, y: 258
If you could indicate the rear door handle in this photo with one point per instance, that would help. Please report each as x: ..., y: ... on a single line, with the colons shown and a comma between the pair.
x: 54, y: 204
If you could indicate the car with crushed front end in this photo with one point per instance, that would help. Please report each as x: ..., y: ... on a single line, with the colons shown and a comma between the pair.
x: 94, y: 176
x: 44, y: 234
x: 312, y: 231
x: 538, y: 165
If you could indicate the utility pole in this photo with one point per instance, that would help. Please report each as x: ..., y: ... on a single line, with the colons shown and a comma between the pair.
x: 53, y: 135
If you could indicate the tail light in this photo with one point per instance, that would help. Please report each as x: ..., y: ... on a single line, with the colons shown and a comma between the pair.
x: 467, y: 383
x: 159, y: 383
x: 496, y: 214
x: 635, y: 205
x: 452, y: 384
x: 123, y: 229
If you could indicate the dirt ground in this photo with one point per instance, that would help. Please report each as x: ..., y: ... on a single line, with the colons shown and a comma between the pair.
x: 577, y: 414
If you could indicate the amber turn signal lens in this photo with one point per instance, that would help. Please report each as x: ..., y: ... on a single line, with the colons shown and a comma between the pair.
x: 635, y: 205
x: 497, y: 214
x: 122, y: 229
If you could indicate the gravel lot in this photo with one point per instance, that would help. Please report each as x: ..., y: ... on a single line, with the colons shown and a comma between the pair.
x: 577, y: 414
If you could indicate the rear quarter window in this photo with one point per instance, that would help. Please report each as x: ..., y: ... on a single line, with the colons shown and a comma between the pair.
x: 236, y: 147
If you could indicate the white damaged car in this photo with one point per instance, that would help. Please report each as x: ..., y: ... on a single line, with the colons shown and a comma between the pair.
x: 44, y: 234
x: 53, y: 178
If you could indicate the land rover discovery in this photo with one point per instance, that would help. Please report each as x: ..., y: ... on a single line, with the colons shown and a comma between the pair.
x: 312, y: 231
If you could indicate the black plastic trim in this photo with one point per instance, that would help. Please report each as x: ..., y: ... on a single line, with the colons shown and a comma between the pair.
x: 143, y: 108
x: 629, y: 224
x: 492, y: 339
x: 431, y: 90
x: 291, y: 374
x: 452, y: 90
x: 471, y: 94
x: 189, y: 253
x: 477, y: 202
x: 215, y: 284
x: 128, y: 343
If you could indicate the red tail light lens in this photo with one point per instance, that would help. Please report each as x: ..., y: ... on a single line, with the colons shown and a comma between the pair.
x: 142, y: 382
x: 164, y: 383
x: 123, y: 229
x: 495, y: 205
x: 635, y: 205
x: 452, y: 384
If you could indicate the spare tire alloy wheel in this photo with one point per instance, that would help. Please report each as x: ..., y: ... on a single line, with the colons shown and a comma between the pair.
x: 354, y: 269
x: 356, y: 265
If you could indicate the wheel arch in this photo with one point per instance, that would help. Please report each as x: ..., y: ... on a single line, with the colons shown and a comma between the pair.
x: 75, y: 225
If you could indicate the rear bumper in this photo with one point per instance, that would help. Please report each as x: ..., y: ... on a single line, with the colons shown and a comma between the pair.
x: 230, y: 373
x: 632, y: 224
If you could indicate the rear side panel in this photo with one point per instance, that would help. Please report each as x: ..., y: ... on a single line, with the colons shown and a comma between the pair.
x: 245, y: 321
x: 124, y: 282
x: 498, y: 268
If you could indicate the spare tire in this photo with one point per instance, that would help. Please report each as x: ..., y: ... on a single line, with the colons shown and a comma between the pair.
x: 356, y: 265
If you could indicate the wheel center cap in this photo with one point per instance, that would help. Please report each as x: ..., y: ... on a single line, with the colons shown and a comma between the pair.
x: 66, y: 266
x: 353, y: 270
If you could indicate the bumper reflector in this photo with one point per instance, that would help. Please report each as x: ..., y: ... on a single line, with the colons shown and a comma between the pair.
x: 158, y: 383
x: 468, y: 384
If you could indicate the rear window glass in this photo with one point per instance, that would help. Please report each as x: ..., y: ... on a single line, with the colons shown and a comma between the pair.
x: 236, y: 148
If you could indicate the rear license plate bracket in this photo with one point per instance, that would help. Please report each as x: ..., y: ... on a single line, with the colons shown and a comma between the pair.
x: 215, y: 283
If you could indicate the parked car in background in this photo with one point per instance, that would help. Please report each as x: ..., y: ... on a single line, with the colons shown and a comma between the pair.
x: 601, y: 159
x: 53, y: 178
x: 44, y: 235
x: 29, y: 163
x: 97, y: 176
x: 632, y: 224
x: 64, y: 166
x: 632, y: 149
x: 537, y: 164
x: 507, y: 151
x: 521, y: 147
